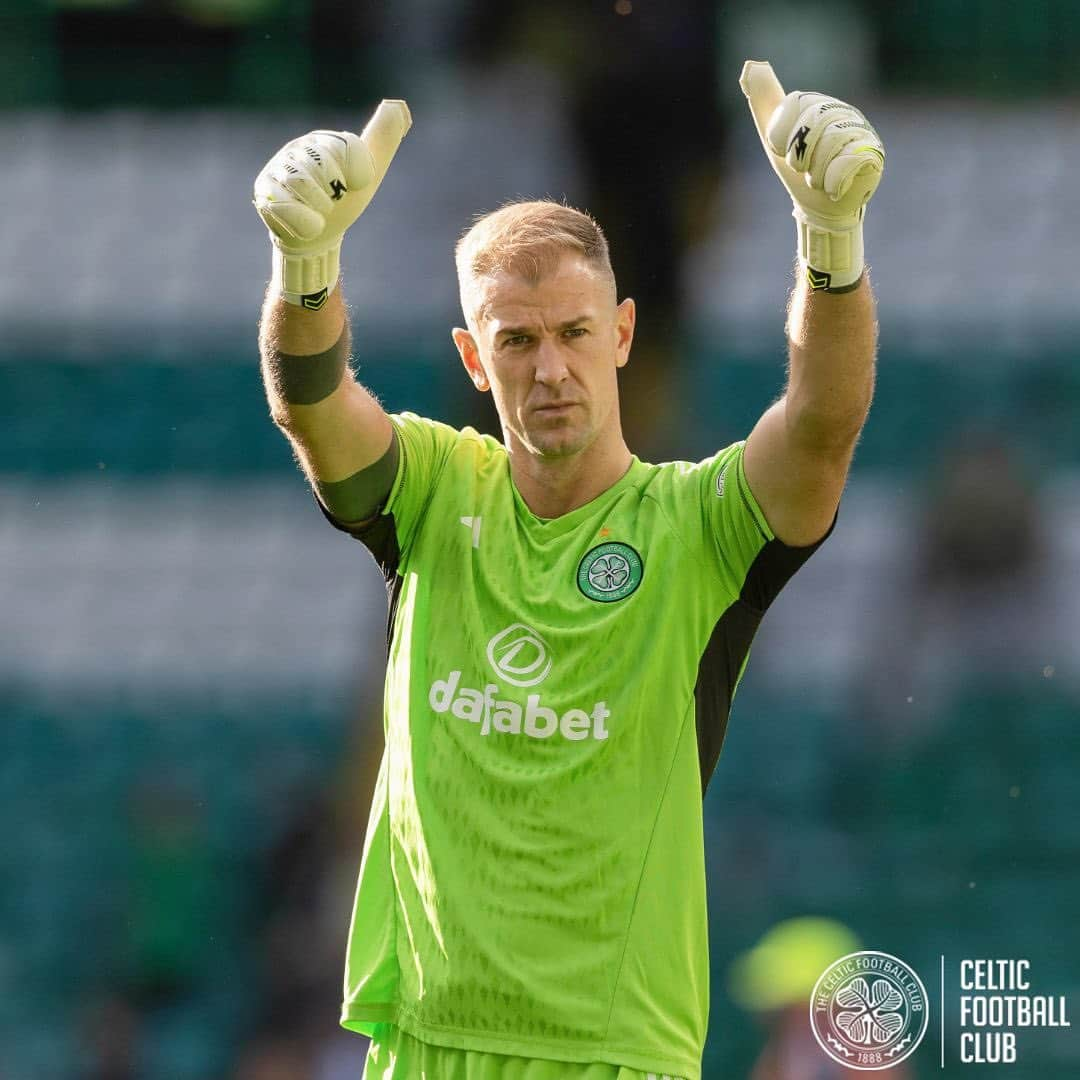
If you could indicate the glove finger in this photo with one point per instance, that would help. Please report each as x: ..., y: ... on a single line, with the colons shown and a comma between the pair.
x: 268, y: 189
x: 782, y: 125
x: 810, y: 125
x: 284, y: 216
x: 300, y: 222
x: 315, y: 158
x: 830, y: 143
x: 351, y: 156
x: 302, y: 178
x: 383, y: 134
x: 857, y: 171
x: 763, y: 93
x: 291, y: 221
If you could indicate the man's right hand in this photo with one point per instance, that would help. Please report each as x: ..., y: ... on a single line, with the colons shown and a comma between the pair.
x: 313, y: 189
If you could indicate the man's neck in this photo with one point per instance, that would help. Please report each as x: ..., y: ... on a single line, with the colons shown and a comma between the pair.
x: 552, y: 487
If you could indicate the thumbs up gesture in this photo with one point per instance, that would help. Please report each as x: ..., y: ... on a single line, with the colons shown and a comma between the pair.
x: 830, y: 159
x: 313, y: 189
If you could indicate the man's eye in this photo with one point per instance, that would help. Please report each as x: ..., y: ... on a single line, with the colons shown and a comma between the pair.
x: 576, y: 331
x: 516, y: 340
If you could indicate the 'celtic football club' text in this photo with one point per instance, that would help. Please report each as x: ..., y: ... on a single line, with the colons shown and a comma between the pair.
x: 493, y: 714
x: 983, y: 1014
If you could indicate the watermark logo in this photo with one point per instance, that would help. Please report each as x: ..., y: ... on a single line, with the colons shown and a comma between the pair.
x: 869, y: 1011
x: 519, y: 655
x: 994, y: 995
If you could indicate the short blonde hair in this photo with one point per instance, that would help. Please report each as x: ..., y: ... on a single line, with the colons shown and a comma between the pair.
x: 528, y: 239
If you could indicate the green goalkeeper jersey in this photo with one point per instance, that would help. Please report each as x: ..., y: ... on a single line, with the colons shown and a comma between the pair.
x: 533, y: 875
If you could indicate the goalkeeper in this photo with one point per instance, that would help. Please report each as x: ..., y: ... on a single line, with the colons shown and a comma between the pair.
x: 568, y: 623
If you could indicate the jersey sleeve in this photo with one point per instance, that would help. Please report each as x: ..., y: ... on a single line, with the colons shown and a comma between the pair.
x: 424, y: 447
x: 735, y: 535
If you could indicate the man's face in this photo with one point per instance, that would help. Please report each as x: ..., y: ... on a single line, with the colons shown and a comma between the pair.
x: 549, y: 353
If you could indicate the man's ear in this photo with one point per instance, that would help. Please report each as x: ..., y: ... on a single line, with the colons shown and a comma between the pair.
x: 625, y: 320
x: 470, y: 357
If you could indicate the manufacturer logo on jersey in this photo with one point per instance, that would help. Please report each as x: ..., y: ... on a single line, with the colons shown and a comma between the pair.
x: 519, y: 655
x: 869, y: 1011
x: 473, y: 524
x: 721, y: 479
x: 610, y: 572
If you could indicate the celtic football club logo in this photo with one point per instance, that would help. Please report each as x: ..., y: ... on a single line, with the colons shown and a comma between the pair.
x: 610, y: 572
x: 869, y: 1011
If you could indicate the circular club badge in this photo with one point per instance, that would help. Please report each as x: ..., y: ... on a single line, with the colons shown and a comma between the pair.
x: 609, y: 572
x: 869, y: 1011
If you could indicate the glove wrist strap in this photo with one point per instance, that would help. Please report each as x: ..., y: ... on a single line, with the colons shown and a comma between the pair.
x: 306, y: 280
x: 830, y: 253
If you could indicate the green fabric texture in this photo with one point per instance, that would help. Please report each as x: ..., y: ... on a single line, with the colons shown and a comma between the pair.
x: 395, y: 1055
x: 533, y: 877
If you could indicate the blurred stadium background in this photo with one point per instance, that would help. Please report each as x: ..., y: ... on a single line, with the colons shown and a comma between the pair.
x: 190, y: 670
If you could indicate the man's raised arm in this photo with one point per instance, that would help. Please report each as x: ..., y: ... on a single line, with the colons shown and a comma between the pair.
x: 830, y: 160
x: 308, y: 194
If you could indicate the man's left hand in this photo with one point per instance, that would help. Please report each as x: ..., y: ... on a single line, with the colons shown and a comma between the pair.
x: 830, y: 159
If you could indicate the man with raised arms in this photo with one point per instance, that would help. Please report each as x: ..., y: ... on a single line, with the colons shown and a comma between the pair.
x: 568, y: 623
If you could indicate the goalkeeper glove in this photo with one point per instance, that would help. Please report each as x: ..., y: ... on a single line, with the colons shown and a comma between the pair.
x: 830, y: 160
x: 313, y: 189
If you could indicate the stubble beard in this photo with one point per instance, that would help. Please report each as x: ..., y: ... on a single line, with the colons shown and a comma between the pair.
x: 561, y: 440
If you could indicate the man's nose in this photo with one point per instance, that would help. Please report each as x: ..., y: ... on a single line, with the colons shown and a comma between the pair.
x: 550, y: 364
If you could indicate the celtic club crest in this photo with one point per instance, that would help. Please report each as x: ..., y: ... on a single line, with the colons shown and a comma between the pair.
x: 610, y: 572
x: 869, y: 1011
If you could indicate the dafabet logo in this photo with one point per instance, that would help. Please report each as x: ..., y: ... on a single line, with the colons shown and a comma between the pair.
x: 519, y: 656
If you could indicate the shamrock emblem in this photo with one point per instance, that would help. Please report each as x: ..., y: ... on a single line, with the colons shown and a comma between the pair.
x: 609, y: 572
x: 871, y: 1015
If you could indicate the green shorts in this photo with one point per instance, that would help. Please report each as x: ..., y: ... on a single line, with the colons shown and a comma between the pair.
x: 395, y: 1055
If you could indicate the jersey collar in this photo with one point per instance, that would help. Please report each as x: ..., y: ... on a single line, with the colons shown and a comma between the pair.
x: 565, y: 523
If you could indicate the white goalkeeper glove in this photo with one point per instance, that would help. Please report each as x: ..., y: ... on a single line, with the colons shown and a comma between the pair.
x: 830, y: 160
x: 313, y: 189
